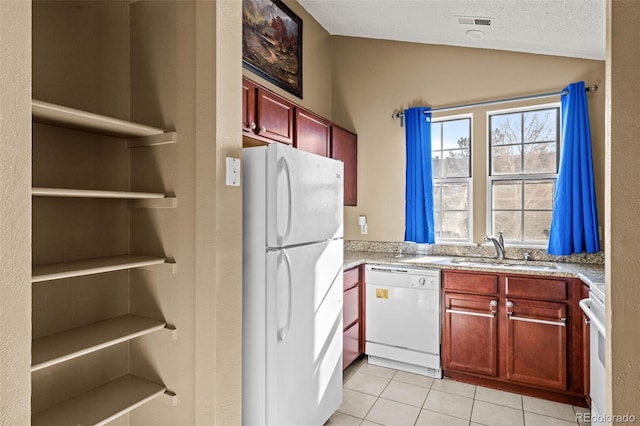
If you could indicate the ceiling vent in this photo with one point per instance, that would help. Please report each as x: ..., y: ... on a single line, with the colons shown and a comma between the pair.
x: 474, y: 20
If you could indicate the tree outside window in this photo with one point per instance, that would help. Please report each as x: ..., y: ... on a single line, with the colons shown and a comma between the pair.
x: 523, y: 154
x: 451, y: 162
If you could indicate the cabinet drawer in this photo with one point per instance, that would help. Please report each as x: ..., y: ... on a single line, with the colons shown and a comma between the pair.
x: 470, y: 282
x: 350, y: 345
x: 536, y: 288
x: 351, y: 305
x: 351, y: 277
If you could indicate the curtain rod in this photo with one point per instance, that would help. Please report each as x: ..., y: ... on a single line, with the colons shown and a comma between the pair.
x: 591, y: 88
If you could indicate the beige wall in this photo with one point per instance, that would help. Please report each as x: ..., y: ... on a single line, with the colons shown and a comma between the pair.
x: 187, y: 78
x: 623, y: 197
x: 15, y: 212
x: 316, y: 66
x: 373, y: 78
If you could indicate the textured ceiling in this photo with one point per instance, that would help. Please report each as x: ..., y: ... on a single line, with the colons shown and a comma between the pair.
x: 574, y: 28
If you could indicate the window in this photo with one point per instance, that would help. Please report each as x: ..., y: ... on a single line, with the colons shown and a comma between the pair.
x: 524, y: 148
x: 451, y: 162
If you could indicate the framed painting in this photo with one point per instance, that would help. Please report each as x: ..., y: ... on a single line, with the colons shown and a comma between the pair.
x: 272, y: 43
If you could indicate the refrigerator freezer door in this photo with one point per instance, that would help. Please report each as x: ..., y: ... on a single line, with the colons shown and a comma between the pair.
x: 304, y: 197
x: 304, y: 334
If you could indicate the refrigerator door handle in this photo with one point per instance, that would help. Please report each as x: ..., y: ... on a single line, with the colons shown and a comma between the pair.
x: 284, y: 166
x: 284, y: 330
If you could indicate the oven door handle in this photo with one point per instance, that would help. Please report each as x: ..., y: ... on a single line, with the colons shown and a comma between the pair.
x: 587, y: 307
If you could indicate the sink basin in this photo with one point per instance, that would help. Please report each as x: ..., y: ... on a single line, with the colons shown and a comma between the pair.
x: 505, y: 263
x: 426, y: 259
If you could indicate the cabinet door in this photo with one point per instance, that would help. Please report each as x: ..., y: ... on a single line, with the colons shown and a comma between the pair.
x: 470, y: 334
x: 248, y: 106
x: 275, y: 117
x: 537, y: 343
x: 313, y: 133
x: 344, y: 147
x: 350, y: 345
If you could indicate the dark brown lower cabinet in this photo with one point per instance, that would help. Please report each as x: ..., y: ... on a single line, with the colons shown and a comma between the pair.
x: 518, y: 333
x: 470, y: 340
x: 537, y: 343
x: 353, y: 316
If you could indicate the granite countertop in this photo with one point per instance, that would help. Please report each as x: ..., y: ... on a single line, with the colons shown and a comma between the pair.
x: 590, y: 274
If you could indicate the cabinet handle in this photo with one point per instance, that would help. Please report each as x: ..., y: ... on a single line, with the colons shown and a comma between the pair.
x: 252, y: 126
x: 509, y: 304
x: 475, y: 314
x: 263, y: 129
x: 493, y: 304
x: 587, y: 322
x: 561, y: 323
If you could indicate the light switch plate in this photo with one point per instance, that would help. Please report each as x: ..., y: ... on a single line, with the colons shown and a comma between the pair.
x: 233, y: 171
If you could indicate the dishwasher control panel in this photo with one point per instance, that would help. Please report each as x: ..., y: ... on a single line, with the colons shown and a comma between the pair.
x: 427, y: 279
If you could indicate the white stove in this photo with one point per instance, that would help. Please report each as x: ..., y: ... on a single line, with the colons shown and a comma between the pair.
x: 594, y: 309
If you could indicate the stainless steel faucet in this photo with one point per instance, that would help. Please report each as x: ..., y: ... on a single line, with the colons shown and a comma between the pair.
x: 498, y: 242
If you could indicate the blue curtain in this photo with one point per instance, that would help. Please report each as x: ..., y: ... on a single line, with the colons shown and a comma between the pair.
x: 574, y: 224
x: 419, y: 222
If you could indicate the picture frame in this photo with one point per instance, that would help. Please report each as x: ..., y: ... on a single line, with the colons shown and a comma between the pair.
x: 272, y: 43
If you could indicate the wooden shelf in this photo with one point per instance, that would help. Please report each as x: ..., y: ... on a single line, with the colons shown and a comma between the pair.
x: 66, y: 345
x: 94, y: 193
x: 48, y: 113
x: 56, y: 271
x: 102, y: 404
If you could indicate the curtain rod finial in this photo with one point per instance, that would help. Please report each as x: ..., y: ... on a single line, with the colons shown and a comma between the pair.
x: 592, y: 88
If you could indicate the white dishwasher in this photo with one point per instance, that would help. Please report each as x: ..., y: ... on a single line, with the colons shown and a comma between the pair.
x: 403, y: 318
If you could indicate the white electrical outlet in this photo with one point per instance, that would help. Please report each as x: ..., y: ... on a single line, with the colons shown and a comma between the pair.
x: 362, y: 221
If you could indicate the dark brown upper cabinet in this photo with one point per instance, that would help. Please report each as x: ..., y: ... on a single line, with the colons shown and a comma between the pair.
x: 344, y: 147
x: 265, y: 115
x: 313, y: 133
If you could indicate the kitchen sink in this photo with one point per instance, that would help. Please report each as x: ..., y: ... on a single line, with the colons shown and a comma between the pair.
x: 479, y: 262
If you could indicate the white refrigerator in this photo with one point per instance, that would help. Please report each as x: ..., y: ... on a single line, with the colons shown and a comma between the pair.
x: 292, y: 286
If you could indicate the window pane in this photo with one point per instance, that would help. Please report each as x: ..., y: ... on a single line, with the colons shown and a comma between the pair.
x: 455, y: 196
x: 506, y: 129
x: 538, y: 194
x: 436, y: 164
x: 436, y: 129
x: 536, y: 225
x: 437, y: 197
x: 540, y: 158
x: 540, y: 126
x: 510, y: 223
x: 455, y: 225
x: 507, y: 194
x: 506, y: 159
x: 455, y: 134
x: 456, y: 163
x: 438, y: 225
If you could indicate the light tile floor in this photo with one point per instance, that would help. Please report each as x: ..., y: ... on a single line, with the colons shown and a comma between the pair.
x: 374, y: 395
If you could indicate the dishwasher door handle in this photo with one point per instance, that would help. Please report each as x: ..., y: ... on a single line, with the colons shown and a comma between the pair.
x: 475, y: 314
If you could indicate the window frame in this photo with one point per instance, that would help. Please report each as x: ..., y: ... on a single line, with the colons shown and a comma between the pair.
x: 522, y: 177
x: 453, y: 180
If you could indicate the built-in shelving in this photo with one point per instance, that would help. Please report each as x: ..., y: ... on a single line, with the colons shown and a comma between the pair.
x: 58, y: 115
x: 105, y: 403
x: 66, y: 345
x: 102, y: 404
x: 77, y: 268
x: 93, y: 193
